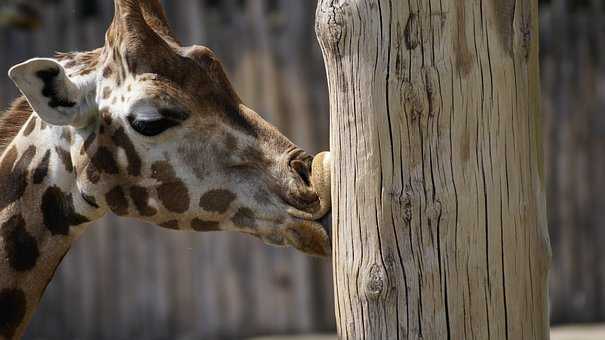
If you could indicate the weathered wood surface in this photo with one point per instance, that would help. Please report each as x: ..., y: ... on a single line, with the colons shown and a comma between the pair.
x: 125, y: 280
x: 438, y: 191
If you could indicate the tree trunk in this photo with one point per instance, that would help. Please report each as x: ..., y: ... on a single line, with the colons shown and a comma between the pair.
x: 438, y: 186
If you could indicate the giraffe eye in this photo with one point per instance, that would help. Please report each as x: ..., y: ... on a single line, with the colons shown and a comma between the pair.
x: 152, y: 127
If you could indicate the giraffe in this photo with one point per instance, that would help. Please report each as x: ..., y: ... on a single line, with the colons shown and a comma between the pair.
x: 147, y: 129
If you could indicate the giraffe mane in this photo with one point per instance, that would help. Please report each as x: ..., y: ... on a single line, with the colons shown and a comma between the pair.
x: 13, y: 120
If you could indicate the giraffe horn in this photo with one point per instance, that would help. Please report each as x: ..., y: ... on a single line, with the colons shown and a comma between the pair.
x: 130, y: 26
x: 146, y: 15
x: 154, y: 14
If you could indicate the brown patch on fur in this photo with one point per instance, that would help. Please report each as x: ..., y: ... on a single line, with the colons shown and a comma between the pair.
x: 117, y: 201
x: 201, y: 225
x: 88, y: 143
x: 59, y: 213
x: 12, y: 313
x: 30, y: 127
x: 217, y: 201
x: 21, y: 247
x: 13, y: 120
x: 140, y: 197
x: 245, y: 218
x: 107, y: 71
x: 42, y: 169
x: 172, y: 224
x: 65, y: 158
x: 14, y: 181
x: 102, y: 162
x: 172, y: 192
x: 9, y: 161
x: 121, y: 139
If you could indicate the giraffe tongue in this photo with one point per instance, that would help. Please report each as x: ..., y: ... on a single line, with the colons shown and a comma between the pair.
x: 321, y: 182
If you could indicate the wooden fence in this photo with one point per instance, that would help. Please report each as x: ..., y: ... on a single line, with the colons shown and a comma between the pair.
x: 125, y: 280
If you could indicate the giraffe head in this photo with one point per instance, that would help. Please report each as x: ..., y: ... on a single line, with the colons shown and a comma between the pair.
x: 156, y: 132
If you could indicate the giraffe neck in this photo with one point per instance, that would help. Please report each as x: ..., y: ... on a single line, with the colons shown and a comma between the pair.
x: 40, y: 217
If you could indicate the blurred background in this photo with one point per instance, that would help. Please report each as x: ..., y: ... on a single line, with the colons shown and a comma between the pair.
x: 126, y: 280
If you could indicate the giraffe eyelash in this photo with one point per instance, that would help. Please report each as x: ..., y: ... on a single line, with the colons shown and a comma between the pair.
x: 151, y: 128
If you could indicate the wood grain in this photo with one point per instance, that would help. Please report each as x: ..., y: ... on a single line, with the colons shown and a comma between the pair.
x: 439, y: 202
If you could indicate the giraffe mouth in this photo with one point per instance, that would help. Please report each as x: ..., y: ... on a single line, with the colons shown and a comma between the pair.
x: 310, y: 237
x: 313, y: 234
x: 321, y: 184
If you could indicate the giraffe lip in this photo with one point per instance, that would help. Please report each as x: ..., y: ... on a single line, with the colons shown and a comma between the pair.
x: 310, y: 237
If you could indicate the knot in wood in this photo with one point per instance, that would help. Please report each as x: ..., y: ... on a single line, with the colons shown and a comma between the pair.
x: 412, y: 33
x: 526, y: 37
x: 376, y: 281
x: 330, y: 23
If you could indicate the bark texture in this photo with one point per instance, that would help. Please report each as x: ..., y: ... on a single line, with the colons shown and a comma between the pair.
x: 438, y: 184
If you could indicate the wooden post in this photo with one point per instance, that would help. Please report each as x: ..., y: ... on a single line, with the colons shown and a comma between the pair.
x: 438, y: 177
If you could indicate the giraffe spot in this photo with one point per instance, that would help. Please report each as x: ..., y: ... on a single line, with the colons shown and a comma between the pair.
x: 29, y: 128
x: 14, y: 181
x: 172, y: 192
x: 122, y: 140
x: 65, y: 158
x: 173, y: 224
x: 49, y: 90
x: 140, y: 197
x: 102, y: 162
x: 12, y: 313
x: 59, y: 213
x: 117, y: 201
x: 245, y: 218
x: 9, y: 161
x: 107, y: 72
x: 106, y: 92
x: 21, y: 248
x: 41, y: 170
x: 201, y: 225
x: 88, y: 143
x: 217, y: 201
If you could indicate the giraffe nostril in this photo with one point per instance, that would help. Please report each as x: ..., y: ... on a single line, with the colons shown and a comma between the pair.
x: 301, y: 163
x: 300, y: 193
x: 302, y: 169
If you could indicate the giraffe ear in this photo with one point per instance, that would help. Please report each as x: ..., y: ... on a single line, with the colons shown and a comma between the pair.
x: 52, y: 95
